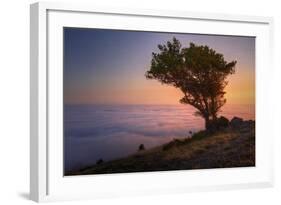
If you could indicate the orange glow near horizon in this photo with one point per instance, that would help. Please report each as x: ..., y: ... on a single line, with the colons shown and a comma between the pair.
x: 241, y: 87
x: 240, y: 90
x: 108, y: 67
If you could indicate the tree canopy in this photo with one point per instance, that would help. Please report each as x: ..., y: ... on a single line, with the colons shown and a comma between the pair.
x: 198, y: 71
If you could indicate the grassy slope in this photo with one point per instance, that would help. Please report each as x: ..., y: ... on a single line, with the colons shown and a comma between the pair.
x: 228, y: 148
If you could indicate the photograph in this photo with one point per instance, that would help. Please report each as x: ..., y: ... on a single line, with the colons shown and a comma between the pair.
x: 145, y: 101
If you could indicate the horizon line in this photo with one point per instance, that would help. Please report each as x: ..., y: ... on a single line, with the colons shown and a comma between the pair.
x: 148, y: 104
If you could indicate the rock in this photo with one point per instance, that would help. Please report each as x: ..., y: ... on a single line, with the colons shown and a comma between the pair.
x: 100, y: 161
x: 218, y: 124
x: 236, y: 122
x: 222, y: 122
x: 248, y: 124
x: 141, y: 147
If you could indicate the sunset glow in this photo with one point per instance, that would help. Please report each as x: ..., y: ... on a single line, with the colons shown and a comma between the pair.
x: 108, y: 67
x: 121, y: 103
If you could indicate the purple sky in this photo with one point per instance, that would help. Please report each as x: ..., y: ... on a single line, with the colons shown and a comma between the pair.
x: 108, y: 66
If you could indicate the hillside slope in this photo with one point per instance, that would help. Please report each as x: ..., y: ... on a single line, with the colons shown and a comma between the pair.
x: 231, y: 147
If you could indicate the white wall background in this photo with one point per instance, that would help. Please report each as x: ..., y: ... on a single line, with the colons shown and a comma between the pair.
x: 14, y: 101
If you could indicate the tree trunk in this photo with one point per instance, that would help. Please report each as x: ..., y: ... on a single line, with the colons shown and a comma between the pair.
x: 207, y: 123
x: 210, y: 125
x: 214, y: 116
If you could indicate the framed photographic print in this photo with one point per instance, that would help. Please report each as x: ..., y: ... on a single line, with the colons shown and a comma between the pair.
x: 127, y: 102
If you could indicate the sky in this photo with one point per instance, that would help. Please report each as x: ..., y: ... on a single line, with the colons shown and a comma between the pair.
x: 108, y: 66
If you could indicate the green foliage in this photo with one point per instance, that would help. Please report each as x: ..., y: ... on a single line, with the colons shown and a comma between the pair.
x: 175, y: 142
x: 179, y: 142
x: 198, y: 71
x: 199, y: 135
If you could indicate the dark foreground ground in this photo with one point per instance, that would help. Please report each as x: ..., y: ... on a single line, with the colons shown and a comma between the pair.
x: 231, y: 147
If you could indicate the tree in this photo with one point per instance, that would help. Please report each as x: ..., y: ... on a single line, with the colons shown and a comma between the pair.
x: 198, y: 71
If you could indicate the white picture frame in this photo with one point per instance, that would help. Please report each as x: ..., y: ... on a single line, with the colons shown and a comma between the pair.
x: 47, y: 182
